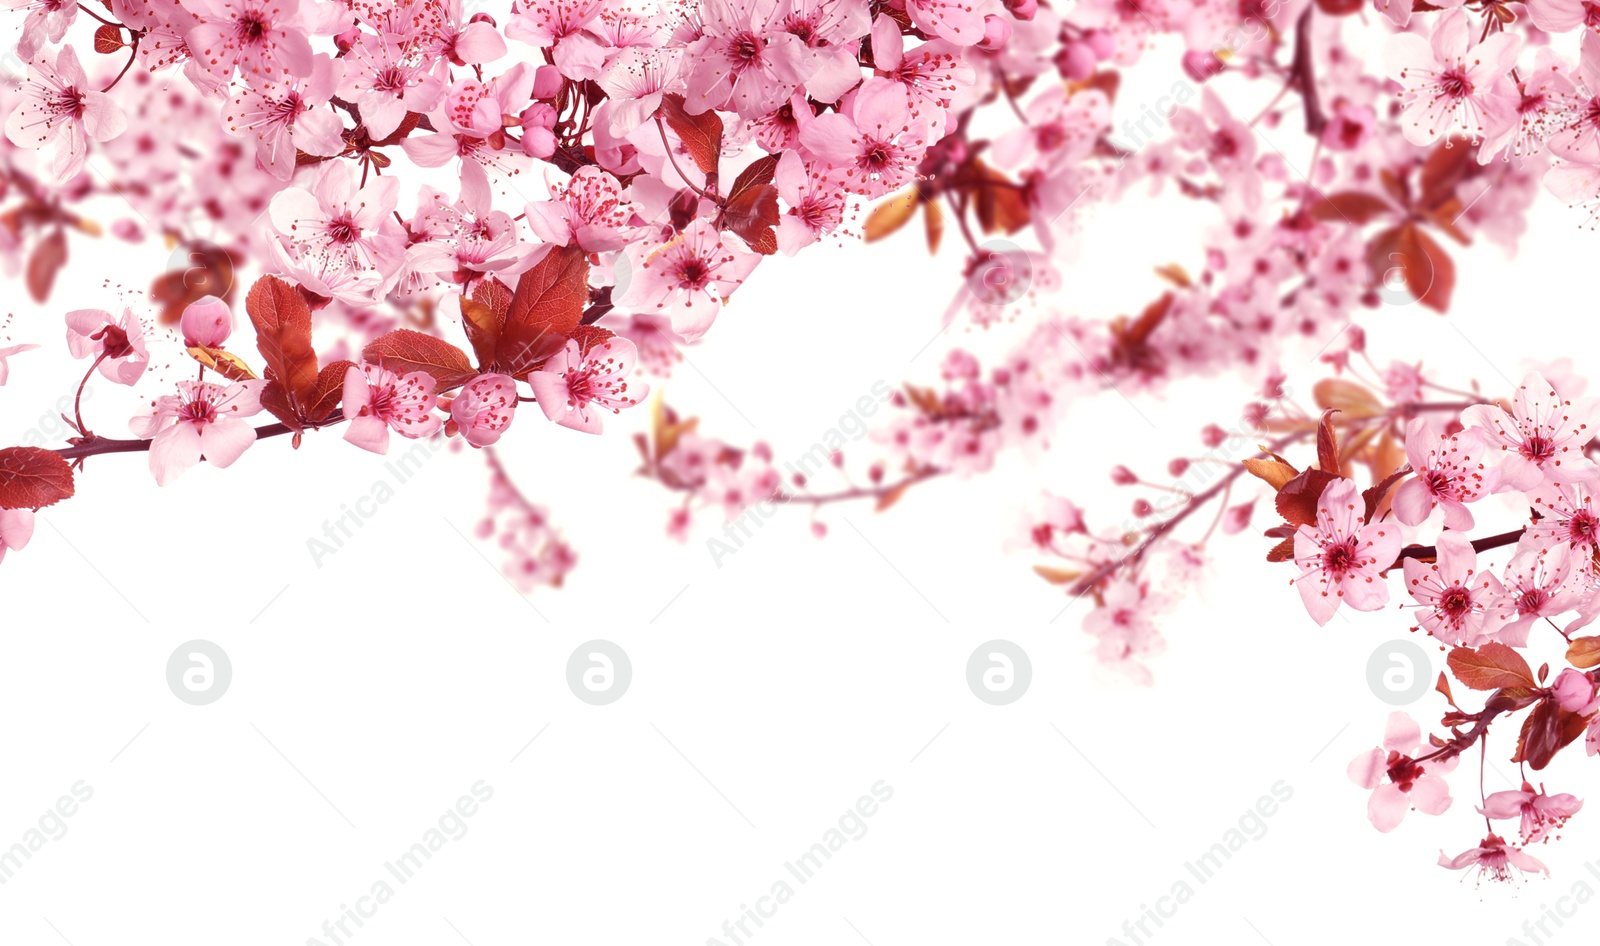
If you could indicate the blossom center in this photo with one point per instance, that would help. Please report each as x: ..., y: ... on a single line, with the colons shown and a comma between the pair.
x: 1455, y: 84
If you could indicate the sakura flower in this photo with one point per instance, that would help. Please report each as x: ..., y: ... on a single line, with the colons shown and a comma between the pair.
x: 377, y: 400
x: 1341, y: 556
x: 338, y: 222
x: 1542, y: 438
x: 742, y: 62
x: 1400, y: 780
x: 1452, y: 83
x: 634, y: 83
x: 16, y: 529
x: 1061, y: 129
x: 385, y: 80
x: 1536, y: 587
x: 58, y: 105
x: 46, y: 22
x: 7, y: 352
x: 575, y: 385
x: 1563, y: 16
x: 876, y: 142
x: 202, y: 421
x: 690, y: 277
x: 1456, y: 603
x: 1449, y: 473
x: 117, y: 345
x: 815, y: 199
x: 1540, y: 814
x: 1568, y: 520
x: 263, y: 39
x: 588, y: 211
x: 1125, y: 629
x: 1494, y: 859
x: 484, y: 408
x: 956, y: 21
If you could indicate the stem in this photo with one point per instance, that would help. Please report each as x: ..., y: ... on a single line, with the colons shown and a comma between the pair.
x: 662, y: 128
x: 95, y: 446
x: 133, y: 53
x: 77, y: 403
x: 1478, y: 545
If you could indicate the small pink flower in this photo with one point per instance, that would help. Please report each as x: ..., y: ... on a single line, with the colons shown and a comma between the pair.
x: 1569, y: 520
x: 1540, y: 814
x: 574, y: 386
x: 1449, y: 473
x: 59, y: 103
x: 1494, y: 859
x: 485, y: 408
x: 588, y: 210
x: 119, y: 344
x: 376, y: 400
x: 16, y: 528
x: 876, y: 141
x: 1543, y: 437
x: 1536, y: 587
x: 1341, y: 557
x: 1456, y: 603
x: 7, y: 352
x: 1399, y: 782
x: 203, y: 421
x: 1453, y: 84
x: 690, y: 277
x: 207, y: 322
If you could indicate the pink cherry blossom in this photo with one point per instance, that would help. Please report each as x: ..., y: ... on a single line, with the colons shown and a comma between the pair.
x: 118, y: 344
x: 1540, y: 814
x: 1494, y: 859
x: 1341, y: 556
x: 202, y: 421
x: 6, y: 352
x: 575, y: 386
x: 263, y: 39
x: 1450, y: 473
x: 337, y: 222
x: 1453, y: 84
x: 58, y: 105
x: 289, y: 117
x: 16, y: 529
x: 742, y: 62
x: 1568, y: 521
x: 385, y: 80
x: 1536, y: 587
x: 1456, y: 603
x: 690, y: 278
x: 1542, y: 438
x: 377, y: 400
x: 876, y: 142
x: 1399, y: 781
x: 484, y: 408
x: 587, y: 211
x: 1125, y: 629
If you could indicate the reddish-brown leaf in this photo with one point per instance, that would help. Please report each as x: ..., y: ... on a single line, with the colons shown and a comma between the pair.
x: 1547, y: 730
x: 546, y: 308
x: 588, y: 336
x: 225, y: 363
x: 1282, y: 552
x: 1373, y: 495
x: 891, y: 214
x: 108, y: 39
x: 701, y: 134
x: 405, y: 350
x: 1328, y: 444
x: 1490, y: 667
x: 33, y: 477
x: 1000, y: 204
x: 484, y: 316
x: 1406, y: 256
x: 1297, y: 500
x: 283, y: 336
x: 207, y: 270
x: 751, y: 210
x: 329, y: 391
x: 933, y: 224
x: 276, y: 401
x: 44, y: 262
x: 1584, y: 652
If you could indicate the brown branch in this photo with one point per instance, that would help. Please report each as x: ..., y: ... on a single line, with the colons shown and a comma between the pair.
x: 1478, y: 545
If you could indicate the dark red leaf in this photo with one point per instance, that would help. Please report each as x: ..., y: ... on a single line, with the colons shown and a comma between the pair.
x: 283, y: 336
x: 33, y: 477
x: 1490, y: 667
x: 545, y: 310
x: 405, y: 350
x: 701, y: 134
x: 329, y: 391
x: 1297, y: 501
x: 1328, y: 444
x: 44, y: 262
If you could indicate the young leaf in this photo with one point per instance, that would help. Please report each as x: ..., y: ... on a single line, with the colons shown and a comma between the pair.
x: 225, y: 363
x: 546, y: 308
x: 701, y: 134
x: 1490, y: 667
x: 891, y: 214
x: 1271, y: 470
x: 1328, y: 444
x: 1297, y: 500
x: 44, y: 262
x: 283, y: 336
x: 329, y: 391
x: 33, y: 478
x: 405, y: 350
x: 751, y: 210
x: 1584, y: 652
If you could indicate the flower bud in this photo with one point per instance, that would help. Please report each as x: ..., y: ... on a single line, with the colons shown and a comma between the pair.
x: 1022, y: 9
x: 1200, y: 65
x: 996, y: 33
x: 547, y: 82
x: 207, y: 322
x: 1075, y: 62
x: 1122, y: 476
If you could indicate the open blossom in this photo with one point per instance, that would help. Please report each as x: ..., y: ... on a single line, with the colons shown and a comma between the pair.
x: 1455, y: 602
x: 264, y: 39
x: 1125, y: 629
x: 119, y: 343
x: 635, y: 81
x: 1399, y: 781
x: 1453, y: 84
x: 7, y: 352
x: 377, y: 400
x: 1540, y: 814
x: 340, y: 223
x: 876, y: 142
x: 16, y: 529
x: 1450, y: 473
x: 690, y: 277
x: 59, y: 105
x: 1536, y: 587
x: 1494, y: 859
x: 575, y: 386
x: 484, y: 408
x: 742, y: 62
x: 202, y: 421
x: 1568, y: 520
x: 587, y: 211
x: 1341, y: 556
x: 1542, y: 438
x: 289, y: 117
x: 385, y: 80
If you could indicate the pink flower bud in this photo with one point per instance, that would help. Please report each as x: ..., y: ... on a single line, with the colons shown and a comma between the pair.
x: 1122, y: 476
x: 1200, y: 65
x: 1142, y: 508
x: 996, y: 33
x: 1178, y: 467
x: 1023, y: 9
x: 207, y: 322
x: 485, y: 408
x: 538, y: 115
x: 1075, y: 61
x: 1573, y: 690
x: 485, y: 18
x: 1213, y: 436
x: 538, y: 142
x: 127, y: 229
x: 547, y: 82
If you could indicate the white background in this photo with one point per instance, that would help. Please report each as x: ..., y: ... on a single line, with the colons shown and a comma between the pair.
x: 767, y: 694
